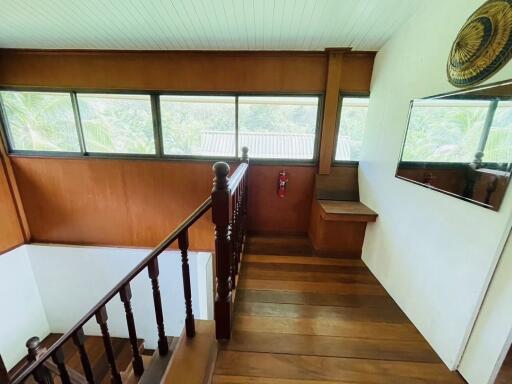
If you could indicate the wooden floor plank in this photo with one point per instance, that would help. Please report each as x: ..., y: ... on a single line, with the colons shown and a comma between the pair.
x: 221, y: 379
x: 257, y: 274
x: 276, y: 259
x: 315, y: 287
x: 307, y: 267
x: 362, y: 314
x: 315, y: 345
x: 262, y: 296
x: 327, y: 327
x: 283, y: 366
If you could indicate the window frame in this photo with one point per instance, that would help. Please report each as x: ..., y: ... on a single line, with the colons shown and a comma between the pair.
x: 341, y: 96
x: 159, y: 154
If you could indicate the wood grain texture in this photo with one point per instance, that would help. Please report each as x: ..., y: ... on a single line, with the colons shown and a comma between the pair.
x: 293, y: 325
x: 332, y: 92
x: 10, y: 221
x: 346, y: 211
x: 181, y: 70
x: 343, y: 238
x: 193, y: 359
x: 137, y: 203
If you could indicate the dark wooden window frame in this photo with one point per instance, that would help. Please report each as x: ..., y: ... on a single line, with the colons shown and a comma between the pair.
x: 341, y: 96
x: 159, y: 154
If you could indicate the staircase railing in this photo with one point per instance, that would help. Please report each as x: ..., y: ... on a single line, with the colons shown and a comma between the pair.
x: 228, y: 201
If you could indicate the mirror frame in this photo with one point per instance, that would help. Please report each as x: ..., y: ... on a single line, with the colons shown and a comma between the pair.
x: 404, y: 138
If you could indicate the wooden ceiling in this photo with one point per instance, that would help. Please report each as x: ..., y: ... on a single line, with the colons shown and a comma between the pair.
x: 201, y: 24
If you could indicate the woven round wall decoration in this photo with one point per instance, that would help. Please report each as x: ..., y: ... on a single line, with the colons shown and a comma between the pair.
x: 483, y: 45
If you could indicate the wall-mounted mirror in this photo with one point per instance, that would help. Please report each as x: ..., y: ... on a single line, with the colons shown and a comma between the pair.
x: 461, y: 144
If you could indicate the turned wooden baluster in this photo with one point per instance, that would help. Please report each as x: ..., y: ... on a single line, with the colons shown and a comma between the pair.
x: 126, y: 295
x: 153, y: 270
x: 221, y: 207
x: 234, y: 240
x: 4, y: 375
x: 42, y: 375
x: 58, y: 359
x: 189, y: 319
x: 79, y: 341
x: 245, y: 196
x: 101, y: 318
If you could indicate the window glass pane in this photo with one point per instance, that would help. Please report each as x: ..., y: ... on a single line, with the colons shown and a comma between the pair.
x: 198, y: 125
x: 278, y: 127
x: 114, y: 123
x: 444, y: 130
x: 351, y: 128
x: 40, y: 121
x: 498, y: 148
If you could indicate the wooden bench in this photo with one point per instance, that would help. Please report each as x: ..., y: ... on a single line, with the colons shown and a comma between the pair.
x: 337, y: 228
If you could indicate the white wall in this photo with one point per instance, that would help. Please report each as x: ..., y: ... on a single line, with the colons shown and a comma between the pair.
x: 492, y: 335
x: 22, y: 312
x: 72, y: 280
x: 434, y: 253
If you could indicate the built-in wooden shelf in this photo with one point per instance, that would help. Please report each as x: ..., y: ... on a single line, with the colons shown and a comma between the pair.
x: 332, y: 210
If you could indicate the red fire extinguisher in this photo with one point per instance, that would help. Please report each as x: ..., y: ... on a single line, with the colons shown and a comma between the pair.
x: 282, y: 180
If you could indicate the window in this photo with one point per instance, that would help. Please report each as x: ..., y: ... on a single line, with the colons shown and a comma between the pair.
x: 351, y: 128
x: 272, y: 127
x: 278, y: 127
x: 498, y: 148
x: 114, y: 123
x: 40, y: 121
x: 198, y: 125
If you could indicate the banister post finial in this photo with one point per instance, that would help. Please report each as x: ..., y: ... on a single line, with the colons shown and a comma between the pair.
x: 245, y: 155
x: 221, y: 172
x: 42, y: 374
x: 34, y: 348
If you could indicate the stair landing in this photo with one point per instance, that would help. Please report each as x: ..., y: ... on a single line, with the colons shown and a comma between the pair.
x: 305, y: 319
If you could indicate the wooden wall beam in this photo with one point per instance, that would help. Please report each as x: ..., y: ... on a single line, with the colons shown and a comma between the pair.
x: 332, y: 91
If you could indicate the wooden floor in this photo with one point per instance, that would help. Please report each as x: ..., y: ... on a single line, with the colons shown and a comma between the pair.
x: 309, y: 320
x: 505, y: 375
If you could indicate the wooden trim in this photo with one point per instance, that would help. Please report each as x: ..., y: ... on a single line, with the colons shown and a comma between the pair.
x: 6, y: 166
x: 4, y: 251
x: 330, y: 112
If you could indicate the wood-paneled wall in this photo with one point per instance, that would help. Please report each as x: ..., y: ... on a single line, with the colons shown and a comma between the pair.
x: 11, y: 233
x: 137, y: 202
x: 181, y: 71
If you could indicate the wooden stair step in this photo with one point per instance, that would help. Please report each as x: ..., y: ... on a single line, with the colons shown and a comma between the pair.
x: 278, y: 259
x: 344, y: 370
x: 310, y: 298
x: 327, y: 327
x: 307, y: 276
x: 316, y: 345
x: 314, y: 287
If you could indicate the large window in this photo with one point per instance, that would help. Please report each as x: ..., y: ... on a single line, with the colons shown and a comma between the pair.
x: 40, y: 121
x: 155, y: 125
x: 114, y: 123
x: 278, y: 127
x: 198, y: 125
x: 351, y: 128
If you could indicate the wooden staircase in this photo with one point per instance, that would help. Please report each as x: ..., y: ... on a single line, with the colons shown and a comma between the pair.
x: 310, y: 320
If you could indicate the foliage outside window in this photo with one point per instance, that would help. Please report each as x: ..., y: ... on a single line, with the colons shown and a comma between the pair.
x: 446, y: 130
x: 273, y: 127
x: 352, y: 125
x: 198, y: 125
x: 278, y: 127
x: 40, y: 121
x: 114, y: 123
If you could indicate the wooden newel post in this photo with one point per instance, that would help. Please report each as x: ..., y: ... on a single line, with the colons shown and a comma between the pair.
x: 4, y: 375
x: 221, y: 214
x: 42, y: 375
